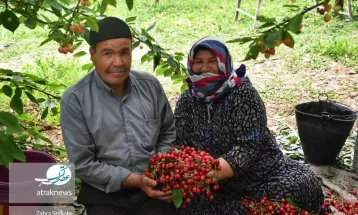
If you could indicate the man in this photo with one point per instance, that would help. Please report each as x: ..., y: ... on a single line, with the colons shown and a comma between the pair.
x: 113, y: 121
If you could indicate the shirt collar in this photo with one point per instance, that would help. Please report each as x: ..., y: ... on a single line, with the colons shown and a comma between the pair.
x: 101, y: 84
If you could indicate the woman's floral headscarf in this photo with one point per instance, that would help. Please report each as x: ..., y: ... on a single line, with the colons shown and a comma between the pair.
x: 207, y: 86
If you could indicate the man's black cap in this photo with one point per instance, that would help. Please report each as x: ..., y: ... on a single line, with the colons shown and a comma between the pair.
x: 109, y: 28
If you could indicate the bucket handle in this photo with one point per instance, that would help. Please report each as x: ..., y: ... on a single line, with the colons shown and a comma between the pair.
x: 326, y: 115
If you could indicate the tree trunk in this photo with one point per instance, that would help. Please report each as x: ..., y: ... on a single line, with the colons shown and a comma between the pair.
x: 156, y: 1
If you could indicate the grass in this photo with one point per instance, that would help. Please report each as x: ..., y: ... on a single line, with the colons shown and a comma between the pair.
x: 290, y: 77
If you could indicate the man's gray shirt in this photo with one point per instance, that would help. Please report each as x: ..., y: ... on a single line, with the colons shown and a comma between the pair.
x: 107, y: 137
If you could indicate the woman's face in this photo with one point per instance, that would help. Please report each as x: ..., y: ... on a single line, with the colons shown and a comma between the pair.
x: 205, y: 61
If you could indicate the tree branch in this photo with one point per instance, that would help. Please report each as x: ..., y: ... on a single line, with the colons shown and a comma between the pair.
x: 28, y: 4
x: 32, y: 87
x: 43, y: 91
x: 302, y: 13
x: 29, y: 16
x: 73, y: 14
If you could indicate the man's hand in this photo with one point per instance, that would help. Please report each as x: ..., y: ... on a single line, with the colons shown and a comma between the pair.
x: 147, y: 185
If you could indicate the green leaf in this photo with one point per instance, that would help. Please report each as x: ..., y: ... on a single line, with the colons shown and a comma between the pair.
x: 151, y: 26
x: 22, y: 137
x: 177, y: 198
x: 290, y: 202
x: 87, y: 67
x: 44, y: 113
x: 45, y: 41
x: 9, y: 20
x: 6, y: 72
x: 103, y: 8
x: 131, y: 19
x: 31, y: 97
x: 263, y: 18
x: 111, y: 2
x: 56, y: 35
x: 179, y: 57
x: 86, y: 35
x: 38, y: 146
x: 32, y: 77
x: 168, y: 72
x: 129, y: 4
x: 7, y: 90
x: 9, y: 150
x: 292, y: 8
x: 17, y: 153
x: 146, y: 57
x: 271, y: 39
x: 77, y: 181
x: 156, y: 48
x: 30, y: 23
x: 45, y: 139
x: 16, y: 102
x: 92, y: 23
x: 54, y: 110
x: 178, y: 81
x: 42, y: 82
x: 66, y: 2
x: 267, y: 24
x: 172, y: 63
x: 46, y: 18
x: 40, y: 100
x: 253, y: 52
x: 21, y: 18
x: 293, y: 139
x: 10, y: 121
x: 183, y: 87
x: 56, y: 8
x: 135, y: 44
x: 56, y: 11
x: 294, y: 156
x: 80, y: 54
x: 160, y: 71
x: 176, y: 77
x: 18, y: 91
x: 156, y: 60
x: 294, y: 23
x: 5, y: 159
x: 241, y: 40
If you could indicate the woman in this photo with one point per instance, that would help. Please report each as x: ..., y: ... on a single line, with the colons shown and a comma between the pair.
x: 223, y: 114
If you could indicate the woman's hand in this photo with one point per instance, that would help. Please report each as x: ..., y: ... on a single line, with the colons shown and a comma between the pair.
x: 224, y: 173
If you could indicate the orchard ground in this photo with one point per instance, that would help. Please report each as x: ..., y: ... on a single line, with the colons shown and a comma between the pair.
x: 324, y: 60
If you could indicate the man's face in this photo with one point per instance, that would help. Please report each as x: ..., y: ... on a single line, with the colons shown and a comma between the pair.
x: 112, y: 60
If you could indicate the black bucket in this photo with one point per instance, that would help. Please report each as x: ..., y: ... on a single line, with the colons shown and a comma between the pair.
x: 323, y: 128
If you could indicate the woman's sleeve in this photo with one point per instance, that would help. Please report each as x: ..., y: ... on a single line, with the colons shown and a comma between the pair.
x: 250, y: 130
